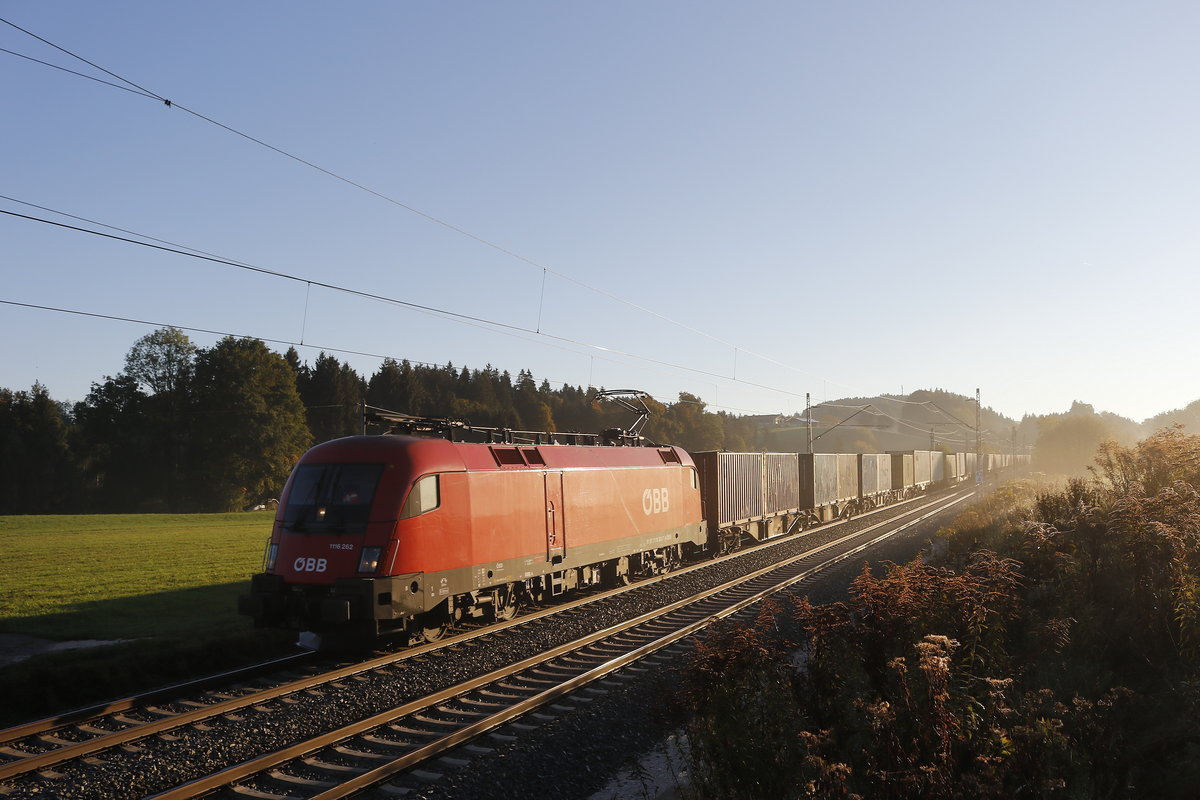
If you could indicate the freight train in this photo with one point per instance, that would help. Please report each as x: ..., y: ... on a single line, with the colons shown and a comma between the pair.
x: 435, y: 522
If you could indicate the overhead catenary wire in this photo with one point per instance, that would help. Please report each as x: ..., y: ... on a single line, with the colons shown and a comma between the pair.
x: 210, y: 331
x: 321, y: 348
x: 77, y: 74
x: 180, y: 249
x: 412, y: 209
x: 494, y: 325
x: 905, y: 423
x: 175, y: 247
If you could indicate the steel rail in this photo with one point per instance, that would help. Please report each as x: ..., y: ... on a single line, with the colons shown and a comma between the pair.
x: 25, y: 763
x: 165, y: 693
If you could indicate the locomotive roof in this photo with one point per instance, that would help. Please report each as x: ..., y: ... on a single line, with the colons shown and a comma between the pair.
x: 428, y: 455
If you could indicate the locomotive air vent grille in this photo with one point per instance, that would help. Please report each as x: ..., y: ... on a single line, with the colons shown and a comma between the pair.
x: 508, y: 456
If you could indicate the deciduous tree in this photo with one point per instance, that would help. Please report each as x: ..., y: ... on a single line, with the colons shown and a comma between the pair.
x: 249, y: 421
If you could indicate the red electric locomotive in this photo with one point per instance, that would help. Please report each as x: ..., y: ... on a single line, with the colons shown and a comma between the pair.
x: 381, y: 533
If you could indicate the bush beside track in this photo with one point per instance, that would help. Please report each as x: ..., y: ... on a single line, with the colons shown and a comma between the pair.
x: 163, y: 587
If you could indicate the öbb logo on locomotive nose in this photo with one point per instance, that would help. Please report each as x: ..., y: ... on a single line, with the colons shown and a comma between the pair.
x: 654, y: 501
x: 303, y: 564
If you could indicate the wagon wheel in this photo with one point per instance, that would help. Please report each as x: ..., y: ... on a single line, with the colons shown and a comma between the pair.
x: 506, y: 604
x: 731, y: 540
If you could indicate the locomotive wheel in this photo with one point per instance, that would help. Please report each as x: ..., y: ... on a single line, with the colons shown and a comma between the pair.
x: 434, y: 624
x: 616, y: 573
x: 507, y: 605
x: 432, y: 633
x: 671, y: 558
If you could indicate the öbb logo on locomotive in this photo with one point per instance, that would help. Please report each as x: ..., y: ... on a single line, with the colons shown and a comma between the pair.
x: 310, y: 564
x: 654, y: 501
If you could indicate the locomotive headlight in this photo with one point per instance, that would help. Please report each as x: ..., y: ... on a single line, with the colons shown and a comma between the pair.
x: 269, y: 556
x: 369, y: 560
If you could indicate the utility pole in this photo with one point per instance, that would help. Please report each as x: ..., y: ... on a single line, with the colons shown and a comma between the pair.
x: 808, y: 418
x: 978, y: 435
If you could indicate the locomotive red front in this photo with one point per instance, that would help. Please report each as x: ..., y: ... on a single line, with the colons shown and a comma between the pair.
x: 379, y: 533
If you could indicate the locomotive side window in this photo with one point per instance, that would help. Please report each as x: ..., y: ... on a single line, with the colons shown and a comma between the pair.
x: 423, y: 498
x: 331, y: 498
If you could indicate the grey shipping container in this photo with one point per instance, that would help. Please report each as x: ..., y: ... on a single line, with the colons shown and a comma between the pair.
x: 902, y: 470
x: 782, y: 474
x: 875, y: 473
x: 922, y: 463
x: 937, y: 466
x: 828, y: 478
x: 739, y: 487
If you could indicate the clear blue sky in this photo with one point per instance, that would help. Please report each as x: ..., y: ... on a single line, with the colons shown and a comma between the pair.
x: 842, y: 199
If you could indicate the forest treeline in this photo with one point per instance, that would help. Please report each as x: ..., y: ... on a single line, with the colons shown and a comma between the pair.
x: 183, y: 428
x: 1052, y: 651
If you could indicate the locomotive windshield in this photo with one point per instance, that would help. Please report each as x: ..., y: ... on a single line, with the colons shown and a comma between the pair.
x: 331, y: 498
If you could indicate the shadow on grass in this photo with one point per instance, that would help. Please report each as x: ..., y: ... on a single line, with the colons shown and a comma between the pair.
x: 179, y: 613
x: 169, y: 637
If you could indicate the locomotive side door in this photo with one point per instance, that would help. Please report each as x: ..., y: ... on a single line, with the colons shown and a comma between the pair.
x: 556, y: 544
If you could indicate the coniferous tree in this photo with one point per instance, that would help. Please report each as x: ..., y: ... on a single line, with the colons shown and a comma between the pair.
x: 116, y: 445
x: 333, y: 394
x: 38, y: 473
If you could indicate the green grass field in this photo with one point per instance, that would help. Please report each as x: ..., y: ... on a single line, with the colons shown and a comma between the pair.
x: 128, y: 576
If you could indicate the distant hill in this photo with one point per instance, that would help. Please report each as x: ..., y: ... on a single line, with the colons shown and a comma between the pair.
x: 1188, y: 417
x: 922, y: 420
x: 934, y: 419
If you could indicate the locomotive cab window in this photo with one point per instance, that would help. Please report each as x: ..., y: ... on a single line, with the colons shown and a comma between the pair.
x: 423, y: 498
x: 331, y: 498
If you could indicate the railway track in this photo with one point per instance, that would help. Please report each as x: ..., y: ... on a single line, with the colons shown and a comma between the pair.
x: 402, y: 740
